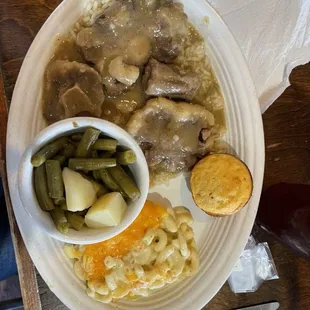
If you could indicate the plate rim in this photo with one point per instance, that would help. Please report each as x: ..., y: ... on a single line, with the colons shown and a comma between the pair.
x: 258, y: 125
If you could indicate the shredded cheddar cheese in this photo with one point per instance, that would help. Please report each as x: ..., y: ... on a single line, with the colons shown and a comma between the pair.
x: 150, y: 217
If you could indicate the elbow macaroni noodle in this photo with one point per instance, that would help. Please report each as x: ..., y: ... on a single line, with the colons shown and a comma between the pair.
x: 168, y: 254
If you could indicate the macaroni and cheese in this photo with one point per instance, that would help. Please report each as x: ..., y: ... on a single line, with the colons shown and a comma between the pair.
x: 157, y: 249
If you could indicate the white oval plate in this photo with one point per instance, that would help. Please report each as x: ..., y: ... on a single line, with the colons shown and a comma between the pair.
x: 220, y: 240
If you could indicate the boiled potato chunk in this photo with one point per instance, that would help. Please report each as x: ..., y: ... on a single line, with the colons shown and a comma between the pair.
x: 80, y: 193
x: 108, y: 210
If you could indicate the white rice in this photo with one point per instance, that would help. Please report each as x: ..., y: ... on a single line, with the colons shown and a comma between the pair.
x: 193, y: 58
x: 93, y: 8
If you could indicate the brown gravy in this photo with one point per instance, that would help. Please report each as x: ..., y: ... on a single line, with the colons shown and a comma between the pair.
x: 118, y: 109
x: 140, y: 36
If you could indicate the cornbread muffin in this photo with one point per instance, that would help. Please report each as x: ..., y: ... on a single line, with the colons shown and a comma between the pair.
x: 221, y: 184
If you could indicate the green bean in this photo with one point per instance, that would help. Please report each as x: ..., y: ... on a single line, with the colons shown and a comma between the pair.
x: 54, y: 179
x: 60, y: 220
x: 75, y: 143
x: 64, y: 206
x: 82, y: 213
x: 48, y: 151
x: 59, y: 201
x: 105, y: 145
x: 76, y: 221
x: 96, y: 175
x: 88, y: 139
x: 126, y: 158
x: 107, y: 154
x: 40, y: 184
x: 125, y: 182
x: 108, y: 181
x: 61, y: 159
x: 77, y: 136
x: 91, y: 164
x: 94, y: 154
x: 69, y: 150
x: 99, y: 188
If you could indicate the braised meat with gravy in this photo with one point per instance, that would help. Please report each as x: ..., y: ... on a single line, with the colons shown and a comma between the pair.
x: 124, y: 66
x: 72, y: 88
x: 169, y: 132
x: 162, y: 80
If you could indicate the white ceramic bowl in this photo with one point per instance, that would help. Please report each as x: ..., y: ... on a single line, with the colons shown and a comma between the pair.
x: 42, y: 219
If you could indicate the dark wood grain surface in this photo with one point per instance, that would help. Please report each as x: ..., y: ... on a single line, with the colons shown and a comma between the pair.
x: 26, y: 270
x: 287, y: 132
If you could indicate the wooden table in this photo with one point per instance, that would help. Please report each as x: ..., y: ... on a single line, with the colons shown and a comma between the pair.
x: 287, y: 131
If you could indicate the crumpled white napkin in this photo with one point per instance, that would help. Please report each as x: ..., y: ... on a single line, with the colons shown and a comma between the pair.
x: 274, y: 36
